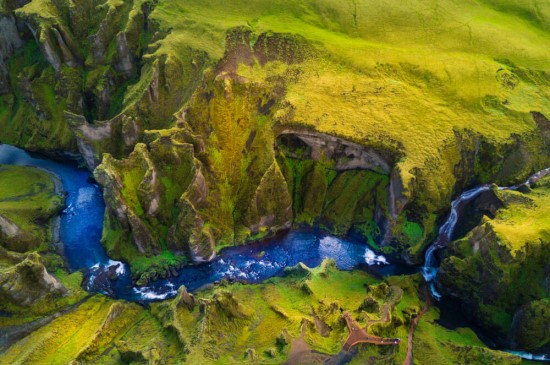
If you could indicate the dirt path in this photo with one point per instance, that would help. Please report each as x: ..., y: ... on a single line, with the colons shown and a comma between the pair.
x: 358, y: 335
x: 414, y: 323
x: 302, y: 354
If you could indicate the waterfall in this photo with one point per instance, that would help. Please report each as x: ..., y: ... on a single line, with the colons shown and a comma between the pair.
x: 431, y: 266
x: 528, y: 356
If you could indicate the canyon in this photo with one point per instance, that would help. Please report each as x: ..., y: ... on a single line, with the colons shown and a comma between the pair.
x: 197, y: 163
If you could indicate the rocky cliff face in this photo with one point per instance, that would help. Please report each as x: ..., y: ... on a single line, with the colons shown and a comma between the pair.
x: 244, y: 178
x: 530, y: 328
x: 92, y: 76
x: 336, y: 184
x: 99, y: 84
x: 500, y: 271
x: 26, y: 281
x: 151, y: 198
x: 9, y: 43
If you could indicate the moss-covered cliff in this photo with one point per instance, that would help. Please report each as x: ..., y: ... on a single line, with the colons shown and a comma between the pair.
x: 420, y: 111
x: 500, y: 270
x: 151, y: 198
x: 30, y: 200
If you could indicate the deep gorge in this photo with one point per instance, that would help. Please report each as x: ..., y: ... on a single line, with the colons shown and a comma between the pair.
x: 213, y: 154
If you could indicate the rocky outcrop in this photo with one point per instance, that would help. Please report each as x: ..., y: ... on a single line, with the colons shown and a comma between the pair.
x: 502, y: 282
x: 184, y: 299
x: 150, y: 198
x: 345, y: 154
x: 267, y: 47
x: 150, y: 108
x: 14, y: 238
x: 267, y: 213
x: 89, y: 136
x: 27, y: 280
x: 8, y: 229
x: 530, y: 328
x: 9, y: 42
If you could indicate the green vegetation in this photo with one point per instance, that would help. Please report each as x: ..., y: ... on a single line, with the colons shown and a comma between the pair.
x: 498, y: 270
x: 180, y: 107
x: 144, y: 219
x: 389, y: 72
x: 341, y: 202
x: 394, y: 77
x: 260, y: 323
x: 36, y: 98
x: 445, y: 92
x: 99, y: 330
x: 531, y: 325
x: 524, y: 220
x: 29, y: 199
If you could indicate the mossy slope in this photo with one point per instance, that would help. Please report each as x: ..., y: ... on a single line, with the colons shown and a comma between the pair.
x: 29, y: 200
x: 500, y: 269
x: 258, y: 323
x: 457, y: 94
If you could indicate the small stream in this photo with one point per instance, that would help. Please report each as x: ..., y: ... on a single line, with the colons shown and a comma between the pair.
x: 445, y: 235
x: 431, y: 265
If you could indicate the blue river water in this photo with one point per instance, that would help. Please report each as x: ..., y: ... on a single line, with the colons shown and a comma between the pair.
x: 257, y: 262
x: 81, y: 224
x: 82, y: 220
x: 81, y: 227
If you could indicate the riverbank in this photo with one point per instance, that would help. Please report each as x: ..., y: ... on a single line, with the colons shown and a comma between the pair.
x: 251, y: 264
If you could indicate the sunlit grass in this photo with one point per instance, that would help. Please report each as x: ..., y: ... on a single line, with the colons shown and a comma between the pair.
x: 525, y: 219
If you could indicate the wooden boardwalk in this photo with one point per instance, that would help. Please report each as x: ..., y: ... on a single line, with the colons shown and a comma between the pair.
x: 358, y: 335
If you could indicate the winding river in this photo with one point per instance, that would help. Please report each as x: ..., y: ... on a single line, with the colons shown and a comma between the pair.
x: 81, y: 227
x: 82, y: 221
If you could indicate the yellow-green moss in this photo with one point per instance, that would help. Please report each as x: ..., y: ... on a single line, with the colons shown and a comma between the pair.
x: 30, y: 199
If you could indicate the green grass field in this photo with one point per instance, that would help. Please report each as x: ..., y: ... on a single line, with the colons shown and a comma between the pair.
x: 411, y: 71
x: 525, y: 218
x: 428, y: 78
